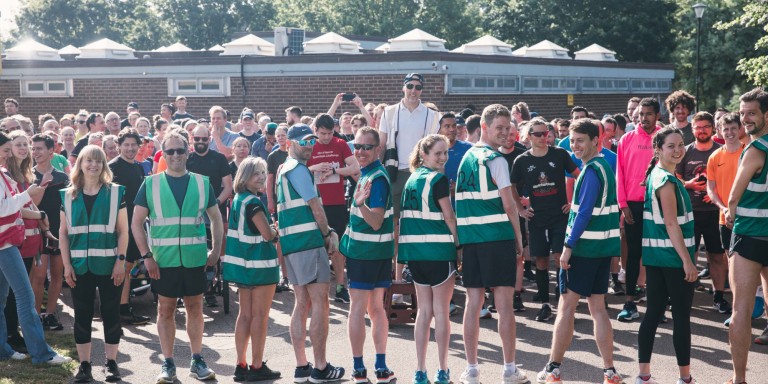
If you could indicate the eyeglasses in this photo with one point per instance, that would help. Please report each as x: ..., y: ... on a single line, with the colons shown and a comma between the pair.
x: 305, y: 143
x: 113, y: 119
x: 418, y: 87
x: 199, y: 139
x: 540, y: 134
x: 175, y: 151
x: 364, y: 147
x: 80, y: 121
x: 702, y: 126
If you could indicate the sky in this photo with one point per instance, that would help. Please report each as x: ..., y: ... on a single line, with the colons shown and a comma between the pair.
x: 8, y: 9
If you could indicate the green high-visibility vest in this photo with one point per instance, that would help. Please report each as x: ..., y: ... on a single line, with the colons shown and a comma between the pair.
x: 297, y: 226
x: 249, y: 259
x: 92, y: 238
x: 601, y: 236
x: 424, y: 235
x: 177, y: 236
x: 752, y: 210
x: 480, y: 215
x: 362, y: 242
x: 658, y: 250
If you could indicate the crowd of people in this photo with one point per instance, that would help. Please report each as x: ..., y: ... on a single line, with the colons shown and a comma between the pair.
x: 616, y: 205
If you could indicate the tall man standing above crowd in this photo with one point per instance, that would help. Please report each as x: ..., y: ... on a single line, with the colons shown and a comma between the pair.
x: 175, y: 253
x: 95, y: 123
x: 306, y: 240
x: 680, y: 104
x: 331, y: 162
x: 11, y: 107
x: 221, y: 138
x: 748, y: 216
x: 489, y: 231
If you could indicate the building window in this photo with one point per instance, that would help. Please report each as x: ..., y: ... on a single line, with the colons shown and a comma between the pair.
x: 46, y: 88
x: 483, y: 84
x: 651, y: 85
x: 200, y: 87
x: 604, y: 85
x: 550, y: 85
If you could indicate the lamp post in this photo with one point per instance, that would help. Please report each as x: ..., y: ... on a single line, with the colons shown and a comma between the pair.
x: 698, y: 9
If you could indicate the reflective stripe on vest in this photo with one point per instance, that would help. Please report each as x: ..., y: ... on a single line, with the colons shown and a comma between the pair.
x: 298, y: 229
x: 360, y: 240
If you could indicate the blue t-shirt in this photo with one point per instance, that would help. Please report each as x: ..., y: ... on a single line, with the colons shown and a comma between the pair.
x: 455, y: 155
x: 301, y: 180
x: 379, y: 188
x: 587, y: 198
x: 227, y: 139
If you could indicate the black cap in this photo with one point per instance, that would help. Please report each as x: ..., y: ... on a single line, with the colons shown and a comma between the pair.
x: 133, y: 105
x: 413, y: 76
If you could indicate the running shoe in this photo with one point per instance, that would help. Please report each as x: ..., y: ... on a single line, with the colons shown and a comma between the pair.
x: 545, y: 377
x: 529, y: 275
x: 763, y: 338
x: 384, y: 376
x: 360, y: 376
x: 241, y: 373
x: 111, y: 371
x: 640, y: 295
x: 199, y: 370
x: 723, y: 306
x: 167, y: 373
x: 759, y: 307
x: 515, y: 377
x: 302, y: 374
x: 51, y: 323
x: 329, y: 374
x: 210, y: 300
x: 452, y: 308
x: 618, y: 289
x: 470, y: 376
x: 130, y: 318
x: 704, y: 274
x: 517, y: 303
x: 342, y: 295
x: 651, y: 380
x: 442, y: 377
x: 622, y: 276
x: 545, y: 313
x: 727, y: 322
x: 262, y: 373
x: 19, y: 356
x: 84, y: 374
x: 397, y: 299
x: 420, y: 377
x: 681, y: 381
x: 59, y: 360
x: 485, y: 314
x: 611, y: 377
x: 628, y: 313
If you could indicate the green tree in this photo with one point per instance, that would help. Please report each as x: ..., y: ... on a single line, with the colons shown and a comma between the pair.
x: 753, y: 17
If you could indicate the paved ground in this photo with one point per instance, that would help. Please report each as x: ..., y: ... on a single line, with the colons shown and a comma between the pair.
x: 140, y: 351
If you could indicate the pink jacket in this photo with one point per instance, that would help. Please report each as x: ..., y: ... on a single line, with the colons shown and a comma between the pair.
x: 634, y: 153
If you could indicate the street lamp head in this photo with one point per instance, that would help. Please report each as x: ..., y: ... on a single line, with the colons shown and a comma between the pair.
x: 699, y: 8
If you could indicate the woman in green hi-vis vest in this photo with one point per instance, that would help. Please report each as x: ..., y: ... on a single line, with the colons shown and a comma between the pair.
x: 93, y: 239
x: 428, y: 244
x: 250, y: 262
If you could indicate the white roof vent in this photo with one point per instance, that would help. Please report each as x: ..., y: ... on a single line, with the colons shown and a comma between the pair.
x: 416, y: 40
x: 32, y: 50
x: 216, y: 48
x: 520, y: 51
x: 332, y: 43
x: 106, y: 49
x: 548, y: 50
x: 249, y: 45
x: 596, y: 53
x: 69, y: 50
x: 176, y: 47
x: 486, y: 45
x: 382, y: 48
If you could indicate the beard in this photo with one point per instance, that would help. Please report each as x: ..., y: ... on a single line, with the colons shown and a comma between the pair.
x: 201, y: 148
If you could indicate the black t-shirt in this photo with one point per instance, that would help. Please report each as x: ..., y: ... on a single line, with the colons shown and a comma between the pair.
x: 252, y: 138
x: 250, y: 211
x: 233, y: 169
x: 516, y: 151
x: 80, y: 145
x: 89, y: 200
x: 441, y: 190
x: 693, y: 165
x: 688, y: 136
x: 275, y: 159
x: 128, y: 175
x: 214, y: 165
x: 51, y: 202
x: 545, y: 176
x: 124, y: 123
x: 180, y: 116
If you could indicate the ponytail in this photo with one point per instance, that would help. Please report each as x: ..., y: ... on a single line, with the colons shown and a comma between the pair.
x: 415, y: 160
x: 651, y: 165
x: 424, y: 145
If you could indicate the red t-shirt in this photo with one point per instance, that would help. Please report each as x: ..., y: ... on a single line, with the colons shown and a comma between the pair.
x: 332, y: 188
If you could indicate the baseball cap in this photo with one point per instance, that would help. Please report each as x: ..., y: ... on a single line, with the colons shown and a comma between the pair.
x: 414, y: 76
x: 271, y: 128
x: 300, y: 132
x: 460, y: 121
x: 133, y: 105
x: 249, y: 114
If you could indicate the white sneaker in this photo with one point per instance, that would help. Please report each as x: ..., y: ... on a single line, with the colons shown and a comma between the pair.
x: 638, y: 380
x: 541, y: 377
x: 470, y: 376
x: 622, y: 276
x: 516, y: 377
x: 680, y: 381
x: 485, y: 314
x: 398, y: 299
x: 59, y: 360
x: 18, y: 356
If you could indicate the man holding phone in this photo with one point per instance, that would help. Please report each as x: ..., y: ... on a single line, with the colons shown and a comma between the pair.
x: 345, y: 125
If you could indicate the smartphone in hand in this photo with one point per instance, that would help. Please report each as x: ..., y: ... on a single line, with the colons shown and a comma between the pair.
x: 349, y: 96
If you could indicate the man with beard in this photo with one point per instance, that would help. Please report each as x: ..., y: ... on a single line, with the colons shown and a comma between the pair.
x: 262, y: 147
x: 292, y: 115
x: 128, y: 173
x: 456, y: 148
x: 214, y: 165
x: 680, y: 104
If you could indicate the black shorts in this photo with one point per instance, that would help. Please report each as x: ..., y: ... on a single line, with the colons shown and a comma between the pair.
x: 28, y: 263
x: 369, y: 274
x: 524, y: 231
x: 587, y: 276
x: 491, y: 264
x: 431, y: 273
x: 725, y: 236
x: 132, y: 254
x: 180, y: 282
x: 750, y: 248
x: 707, y: 224
x: 545, y: 240
x: 338, y: 217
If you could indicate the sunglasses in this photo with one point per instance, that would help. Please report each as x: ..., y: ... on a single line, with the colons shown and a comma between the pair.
x: 305, y: 143
x: 80, y: 121
x: 540, y: 134
x: 364, y: 147
x: 418, y: 87
x: 175, y: 151
x: 199, y: 139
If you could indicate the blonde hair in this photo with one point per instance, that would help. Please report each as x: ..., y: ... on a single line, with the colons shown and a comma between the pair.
x: 246, y: 170
x: 76, y: 176
x: 21, y: 170
x: 424, y: 146
x: 240, y: 140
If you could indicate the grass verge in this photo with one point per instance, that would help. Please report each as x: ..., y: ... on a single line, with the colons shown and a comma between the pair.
x: 23, y: 372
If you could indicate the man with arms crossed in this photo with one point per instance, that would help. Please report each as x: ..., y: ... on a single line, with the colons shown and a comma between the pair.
x: 592, y: 241
x: 489, y: 231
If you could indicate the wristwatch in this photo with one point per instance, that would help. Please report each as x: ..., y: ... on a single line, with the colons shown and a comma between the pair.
x: 148, y: 255
x: 121, y: 257
x: 43, y: 215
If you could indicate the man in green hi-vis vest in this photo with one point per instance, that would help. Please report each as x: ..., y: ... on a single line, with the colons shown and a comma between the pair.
x: 175, y: 251
x: 306, y: 240
x: 747, y: 214
x: 489, y: 231
x: 592, y: 241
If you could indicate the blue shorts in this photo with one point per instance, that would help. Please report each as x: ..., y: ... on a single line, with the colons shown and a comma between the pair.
x: 587, y: 276
x: 369, y: 274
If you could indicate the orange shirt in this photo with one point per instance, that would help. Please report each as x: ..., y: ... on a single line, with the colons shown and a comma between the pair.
x: 721, y: 167
x: 162, y: 165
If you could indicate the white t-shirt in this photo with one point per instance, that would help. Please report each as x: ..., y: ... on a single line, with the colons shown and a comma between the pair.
x: 499, y: 172
x: 411, y: 127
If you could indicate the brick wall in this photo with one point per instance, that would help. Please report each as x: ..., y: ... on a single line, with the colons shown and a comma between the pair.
x: 273, y: 94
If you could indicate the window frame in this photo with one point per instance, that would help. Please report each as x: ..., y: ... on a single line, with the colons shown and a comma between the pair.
x: 175, y: 84
x: 46, y: 92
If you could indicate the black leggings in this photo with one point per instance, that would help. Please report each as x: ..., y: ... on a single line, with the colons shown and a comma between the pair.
x: 83, y: 298
x: 667, y: 284
x: 634, y: 233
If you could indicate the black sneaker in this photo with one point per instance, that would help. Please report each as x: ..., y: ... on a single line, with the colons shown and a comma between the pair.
x: 529, y: 275
x: 241, y: 373
x: 327, y: 375
x: 618, y: 289
x: 723, y: 306
x: 17, y: 343
x: 84, y: 373
x: 517, y: 303
x: 384, y: 376
x: 704, y: 274
x: 111, y: 372
x: 360, y: 376
x: 342, y: 296
x: 545, y: 313
x: 130, y: 318
x: 282, y: 286
x: 263, y: 373
x: 210, y: 300
x: 51, y: 323
x: 302, y: 374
